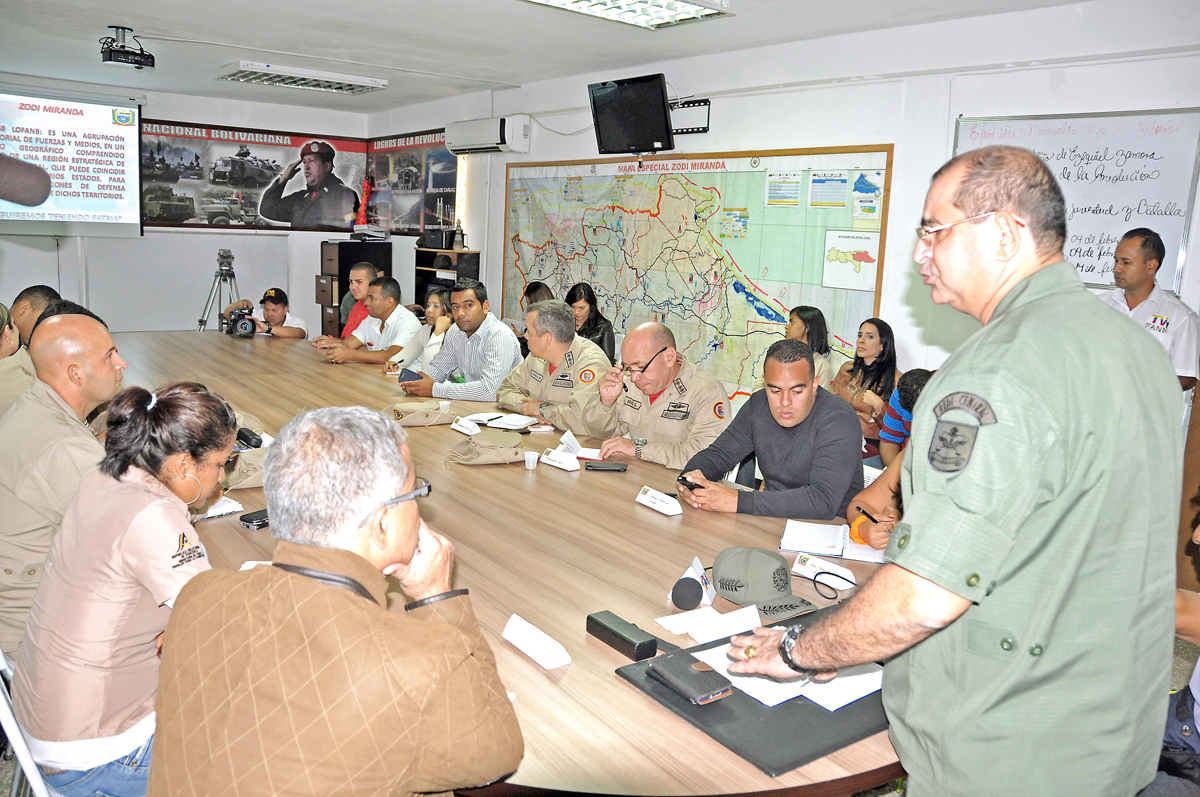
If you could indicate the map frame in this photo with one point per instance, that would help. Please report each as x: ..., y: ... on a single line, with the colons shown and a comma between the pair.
x: 680, y: 163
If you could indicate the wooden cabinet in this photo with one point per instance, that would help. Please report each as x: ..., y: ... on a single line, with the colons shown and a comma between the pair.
x: 442, y: 267
x: 333, y: 281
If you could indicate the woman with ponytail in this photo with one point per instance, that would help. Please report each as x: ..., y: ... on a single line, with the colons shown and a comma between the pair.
x: 87, y: 673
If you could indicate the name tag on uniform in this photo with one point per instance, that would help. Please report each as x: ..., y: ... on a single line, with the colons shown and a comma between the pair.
x: 632, y: 403
x: 536, y: 375
x: 677, y: 411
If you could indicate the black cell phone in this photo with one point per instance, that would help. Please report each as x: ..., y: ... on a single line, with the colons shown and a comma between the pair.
x: 689, y: 678
x: 688, y: 483
x: 615, y: 467
x: 408, y: 375
x: 255, y: 520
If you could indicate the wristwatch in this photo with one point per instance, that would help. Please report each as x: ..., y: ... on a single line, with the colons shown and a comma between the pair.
x: 270, y: 326
x: 638, y: 442
x: 785, y: 649
x: 542, y: 408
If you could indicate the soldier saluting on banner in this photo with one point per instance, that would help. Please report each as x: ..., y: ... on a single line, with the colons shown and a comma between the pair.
x: 325, y: 201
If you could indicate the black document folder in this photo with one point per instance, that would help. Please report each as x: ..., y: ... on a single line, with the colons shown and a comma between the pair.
x: 776, y: 740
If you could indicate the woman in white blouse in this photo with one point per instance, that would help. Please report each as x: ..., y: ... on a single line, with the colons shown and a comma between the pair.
x: 428, y: 340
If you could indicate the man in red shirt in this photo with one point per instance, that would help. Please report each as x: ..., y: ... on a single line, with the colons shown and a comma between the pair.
x: 361, y: 275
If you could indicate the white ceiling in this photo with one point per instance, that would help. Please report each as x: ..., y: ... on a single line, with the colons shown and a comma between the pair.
x: 463, y: 45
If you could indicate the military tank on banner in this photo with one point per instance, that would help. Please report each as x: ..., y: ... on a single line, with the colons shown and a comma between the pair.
x: 157, y: 170
x: 160, y: 203
x: 243, y: 170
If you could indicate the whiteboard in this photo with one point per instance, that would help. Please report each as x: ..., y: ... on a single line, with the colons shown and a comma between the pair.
x: 1117, y: 171
x: 161, y: 281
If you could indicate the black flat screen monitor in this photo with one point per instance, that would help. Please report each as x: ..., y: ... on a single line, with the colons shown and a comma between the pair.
x: 632, y: 115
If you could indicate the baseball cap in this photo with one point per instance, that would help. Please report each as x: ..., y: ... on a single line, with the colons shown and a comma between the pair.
x: 759, y: 577
x: 274, y: 296
x: 318, y: 148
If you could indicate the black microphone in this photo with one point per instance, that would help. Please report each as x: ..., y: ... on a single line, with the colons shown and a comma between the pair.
x: 23, y: 183
x: 686, y: 593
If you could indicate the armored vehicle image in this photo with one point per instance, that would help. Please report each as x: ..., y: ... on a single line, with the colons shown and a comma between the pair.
x: 229, y: 210
x: 159, y: 203
x: 244, y: 170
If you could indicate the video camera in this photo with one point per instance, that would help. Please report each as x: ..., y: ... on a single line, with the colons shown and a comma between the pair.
x: 241, y: 323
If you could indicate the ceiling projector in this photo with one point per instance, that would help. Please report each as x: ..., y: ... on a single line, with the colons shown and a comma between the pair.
x: 113, y: 50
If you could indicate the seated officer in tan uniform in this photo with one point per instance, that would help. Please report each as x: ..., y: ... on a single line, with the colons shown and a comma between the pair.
x: 558, y: 382
x: 48, y: 449
x: 676, y: 410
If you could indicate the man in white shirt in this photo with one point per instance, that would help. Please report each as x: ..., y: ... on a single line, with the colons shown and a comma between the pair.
x: 388, y: 328
x: 276, y: 320
x: 479, y: 345
x: 1170, y: 321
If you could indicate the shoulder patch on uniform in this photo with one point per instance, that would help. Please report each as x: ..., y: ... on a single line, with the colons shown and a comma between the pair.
x: 570, y: 359
x: 719, y: 410
x: 950, y: 449
x: 968, y: 402
x: 632, y: 403
x: 680, y: 386
x: 587, y: 376
x: 536, y: 375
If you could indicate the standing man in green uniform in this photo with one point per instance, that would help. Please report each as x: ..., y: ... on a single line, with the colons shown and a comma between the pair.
x: 325, y: 200
x: 668, y: 408
x: 560, y: 379
x: 1027, y: 598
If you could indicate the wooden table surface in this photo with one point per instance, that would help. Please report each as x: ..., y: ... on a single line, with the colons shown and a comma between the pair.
x: 549, y: 545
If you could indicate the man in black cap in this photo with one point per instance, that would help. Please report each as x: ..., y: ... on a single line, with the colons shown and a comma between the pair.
x: 276, y: 320
x: 325, y: 201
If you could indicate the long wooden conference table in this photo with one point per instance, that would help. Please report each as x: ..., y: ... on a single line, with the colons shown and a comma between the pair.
x: 546, y: 544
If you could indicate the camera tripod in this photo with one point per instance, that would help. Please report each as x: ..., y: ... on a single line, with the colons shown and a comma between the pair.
x: 223, y: 279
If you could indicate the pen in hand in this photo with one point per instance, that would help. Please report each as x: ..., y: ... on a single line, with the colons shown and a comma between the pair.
x: 865, y: 513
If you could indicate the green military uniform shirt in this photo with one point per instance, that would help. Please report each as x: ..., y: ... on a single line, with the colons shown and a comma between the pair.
x: 572, y: 390
x: 1043, y: 484
x: 687, y: 416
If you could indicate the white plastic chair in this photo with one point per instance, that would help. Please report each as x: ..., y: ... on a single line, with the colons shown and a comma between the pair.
x: 26, y: 777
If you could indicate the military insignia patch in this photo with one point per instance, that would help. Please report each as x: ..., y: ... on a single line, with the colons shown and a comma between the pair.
x: 680, y: 386
x: 587, y: 376
x: 535, y: 375
x: 570, y: 359
x: 632, y: 403
x: 953, y: 441
x: 562, y: 380
x: 719, y: 410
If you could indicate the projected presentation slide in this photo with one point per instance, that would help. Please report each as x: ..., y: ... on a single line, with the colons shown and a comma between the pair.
x: 68, y: 168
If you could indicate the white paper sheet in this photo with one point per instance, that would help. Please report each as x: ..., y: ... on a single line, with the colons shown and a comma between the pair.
x: 512, y: 421
x: 570, y: 443
x: 852, y: 683
x: 226, y: 506
x: 735, y: 622
x: 870, y: 474
x: 684, y: 622
x: 535, y: 643
x: 483, y: 417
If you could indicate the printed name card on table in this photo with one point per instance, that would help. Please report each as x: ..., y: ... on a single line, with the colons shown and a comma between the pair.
x: 659, y: 502
x: 466, y: 427
x: 535, y: 643
x: 559, y: 459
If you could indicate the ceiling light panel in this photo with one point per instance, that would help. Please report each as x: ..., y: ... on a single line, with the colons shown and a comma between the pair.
x: 651, y: 14
x: 296, y: 78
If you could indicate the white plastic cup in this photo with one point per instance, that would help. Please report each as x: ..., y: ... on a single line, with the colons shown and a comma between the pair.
x: 444, y: 406
x: 531, y: 460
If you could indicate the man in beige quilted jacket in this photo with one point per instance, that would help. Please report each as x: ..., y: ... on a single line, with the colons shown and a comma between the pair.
x: 299, y: 678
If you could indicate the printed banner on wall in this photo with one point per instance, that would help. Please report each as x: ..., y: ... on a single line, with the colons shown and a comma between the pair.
x: 414, y: 177
x: 237, y: 177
